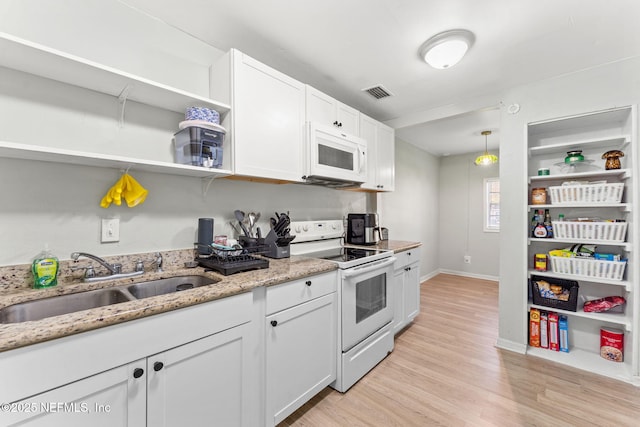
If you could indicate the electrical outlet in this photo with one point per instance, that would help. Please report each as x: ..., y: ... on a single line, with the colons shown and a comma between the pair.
x: 110, y: 230
x: 467, y: 259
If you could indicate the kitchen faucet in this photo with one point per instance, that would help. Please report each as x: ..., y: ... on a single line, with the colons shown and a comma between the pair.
x: 158, y: 262
x: 115, y: 270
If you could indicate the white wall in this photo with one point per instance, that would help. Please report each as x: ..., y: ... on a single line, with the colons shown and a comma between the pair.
x: 411, y: 211
x: 461, y: 229
x: 111, y: 33
x: 607, y: 86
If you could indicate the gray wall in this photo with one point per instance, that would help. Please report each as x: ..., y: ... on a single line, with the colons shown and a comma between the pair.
x: 461, y: 227
x: 599, y: 88
x: 411, y: 212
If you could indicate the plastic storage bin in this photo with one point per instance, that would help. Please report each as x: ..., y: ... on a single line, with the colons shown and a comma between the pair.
x: 588, y: 193
x: 199, y: 147
x: 588, y: 267
x: 613, y: 232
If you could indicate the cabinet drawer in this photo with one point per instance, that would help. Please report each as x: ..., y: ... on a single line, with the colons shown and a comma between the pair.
x: 293, y: 293
x: 407, y: 257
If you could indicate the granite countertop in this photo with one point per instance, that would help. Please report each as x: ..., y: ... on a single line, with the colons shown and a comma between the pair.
x: 396, y: 245
x: 14, y: 335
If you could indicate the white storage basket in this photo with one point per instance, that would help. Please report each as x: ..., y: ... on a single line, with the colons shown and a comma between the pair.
x: 581, y: 230
x: 588, y: 193
x: 599, y: 269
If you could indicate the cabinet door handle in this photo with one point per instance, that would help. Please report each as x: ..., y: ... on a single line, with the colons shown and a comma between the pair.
x: 138, y: 372
x: 408, y: 253
x: 158, y: 366
x: 308, y: 283
x: 340, y: 124
x: 274, y: 323
x: 335, y: 123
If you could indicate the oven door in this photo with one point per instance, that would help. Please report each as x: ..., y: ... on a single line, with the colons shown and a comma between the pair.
x: 366, y: 300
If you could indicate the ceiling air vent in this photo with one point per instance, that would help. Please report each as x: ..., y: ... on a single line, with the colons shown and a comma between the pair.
x: 378, y: 92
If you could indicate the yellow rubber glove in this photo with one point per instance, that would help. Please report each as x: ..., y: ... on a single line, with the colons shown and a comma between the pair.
x: 134, y: 193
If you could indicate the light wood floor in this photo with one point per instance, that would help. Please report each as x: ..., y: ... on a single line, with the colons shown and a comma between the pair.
x: 446, y: 371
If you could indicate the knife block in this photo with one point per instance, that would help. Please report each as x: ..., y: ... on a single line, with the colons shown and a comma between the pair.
x: 273, y: 250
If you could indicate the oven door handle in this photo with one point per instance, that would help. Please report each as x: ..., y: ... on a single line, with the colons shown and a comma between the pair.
x: 368, y: 267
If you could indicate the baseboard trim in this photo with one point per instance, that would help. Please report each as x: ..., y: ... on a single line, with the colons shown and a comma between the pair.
x: 466, y: 274
x: 429, y: 276
x: 511, y: 346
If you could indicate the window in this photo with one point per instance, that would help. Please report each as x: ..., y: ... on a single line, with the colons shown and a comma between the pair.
x: 492, y: 204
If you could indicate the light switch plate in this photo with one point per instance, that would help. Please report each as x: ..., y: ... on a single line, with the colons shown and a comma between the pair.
x: 110, y: 230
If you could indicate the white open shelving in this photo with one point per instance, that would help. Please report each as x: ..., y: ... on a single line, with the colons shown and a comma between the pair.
x: 619, y: 319
x: 33, y: 58
x: 584, y: 359
x: 594, y: 133
x: 72, y: 157
x: 618, y: 140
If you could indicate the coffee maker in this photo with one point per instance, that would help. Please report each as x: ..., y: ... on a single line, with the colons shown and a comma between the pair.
x: 362, y: 229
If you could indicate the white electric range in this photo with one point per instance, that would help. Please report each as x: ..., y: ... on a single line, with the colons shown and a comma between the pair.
x: 364, y: 296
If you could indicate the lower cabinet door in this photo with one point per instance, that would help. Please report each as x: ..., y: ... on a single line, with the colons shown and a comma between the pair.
x: 199, y: 383
x: 399, y: 319
x: 412, y: 292
x: 301, y: 348
x: 406, y: 282
x: 113, y: 398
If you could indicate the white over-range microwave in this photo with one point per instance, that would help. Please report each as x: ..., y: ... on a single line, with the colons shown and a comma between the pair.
x: 334, y: 158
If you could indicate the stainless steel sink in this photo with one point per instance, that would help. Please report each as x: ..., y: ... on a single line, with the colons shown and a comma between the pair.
x: 170, y: 285
x: 63, y: 304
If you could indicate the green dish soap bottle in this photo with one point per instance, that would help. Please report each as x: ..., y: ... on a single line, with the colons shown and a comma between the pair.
x: 45, y: 270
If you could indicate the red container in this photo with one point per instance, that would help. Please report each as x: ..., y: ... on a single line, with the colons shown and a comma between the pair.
x: 612, y: 344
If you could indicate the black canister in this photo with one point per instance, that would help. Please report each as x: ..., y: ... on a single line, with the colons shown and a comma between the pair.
x: 205, y: 236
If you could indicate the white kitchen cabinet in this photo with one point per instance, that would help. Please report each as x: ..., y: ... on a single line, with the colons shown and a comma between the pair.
x: 266, y: 125
x: 113, y: 398
x: 189, y: 366
x: 301, y: 343
x: 406, y: 288
x: 548, y: 144
x: 380, y: 155
x: 200, y: 383
x: 34, y: 62
x: 323, y: 109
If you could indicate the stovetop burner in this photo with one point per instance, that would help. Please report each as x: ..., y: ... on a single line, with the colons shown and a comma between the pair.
x: 344, y: 254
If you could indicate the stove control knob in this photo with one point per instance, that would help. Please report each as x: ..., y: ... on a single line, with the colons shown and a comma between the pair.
x: 305, y: 227
x: 334, y: 226
x: 298, y: 229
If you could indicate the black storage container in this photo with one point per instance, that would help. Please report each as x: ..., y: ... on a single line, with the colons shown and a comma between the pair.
x: 571, y: 285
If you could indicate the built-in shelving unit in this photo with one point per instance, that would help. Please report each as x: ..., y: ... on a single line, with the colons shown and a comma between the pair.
x: 593, y: 133
x: 71, y: 157
x: 617, y: 140
x: 33, y: 58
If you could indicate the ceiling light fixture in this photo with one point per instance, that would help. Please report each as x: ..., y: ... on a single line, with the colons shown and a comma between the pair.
x: 486, y: 158
x: 446, y: 49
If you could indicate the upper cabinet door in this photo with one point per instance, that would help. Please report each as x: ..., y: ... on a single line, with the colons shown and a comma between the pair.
x: 385, y: 152
x: 323, y: 109
x: 348, y: 119
x: 268, y: 125
x: 380, y: 154
x: 369, y: 131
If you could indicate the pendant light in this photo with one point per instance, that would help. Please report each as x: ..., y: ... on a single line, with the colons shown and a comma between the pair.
x: 486, y: 158
x: 446, y: 49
